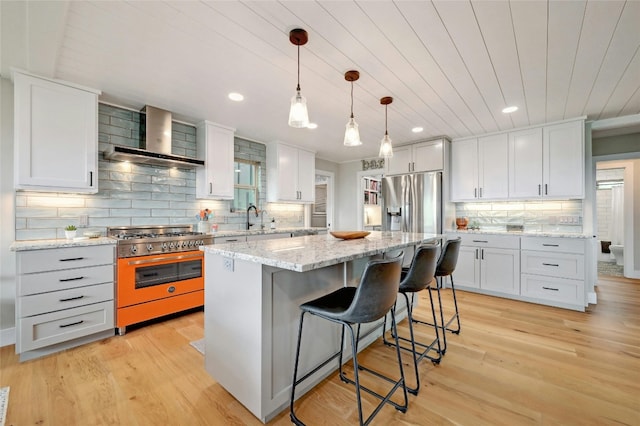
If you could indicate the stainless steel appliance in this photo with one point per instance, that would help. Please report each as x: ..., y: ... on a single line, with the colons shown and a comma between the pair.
x: 412, y: 203
x: 160, y: 271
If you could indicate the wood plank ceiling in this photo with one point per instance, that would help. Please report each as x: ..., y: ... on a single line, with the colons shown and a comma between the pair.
x: 451, y: 66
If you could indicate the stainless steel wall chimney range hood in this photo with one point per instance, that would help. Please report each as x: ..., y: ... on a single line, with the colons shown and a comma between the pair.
x: 155, y: 141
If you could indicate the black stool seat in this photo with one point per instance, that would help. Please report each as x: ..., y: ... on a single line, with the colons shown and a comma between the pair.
x: 370, y: 301
x: 415, y: 278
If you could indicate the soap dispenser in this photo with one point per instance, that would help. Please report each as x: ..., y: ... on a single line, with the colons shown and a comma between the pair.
x: 273, y: 223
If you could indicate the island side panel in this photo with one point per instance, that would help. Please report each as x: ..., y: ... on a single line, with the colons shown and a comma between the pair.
x: 284, y: 292
x: 233, y: 316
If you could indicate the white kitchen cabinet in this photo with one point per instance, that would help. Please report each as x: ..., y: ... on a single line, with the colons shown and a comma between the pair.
x: 56, y: 135
x: 547, y: 162
x: 479, y: 168
x: 64, y: 298
x: 563, y: 160
x: 525, y: 163
x: 418, y: 157
x: 553, y: 271
x: 290, y: 174
x: 216, y: 147
x: 489, y: 263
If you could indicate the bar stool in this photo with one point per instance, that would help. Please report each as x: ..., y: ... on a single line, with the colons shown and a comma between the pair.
x: 370, y: 301
x: 417, y: 277
x: 445, y: 267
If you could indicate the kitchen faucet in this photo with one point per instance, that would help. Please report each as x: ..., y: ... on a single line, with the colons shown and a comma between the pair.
x: 249, y: 224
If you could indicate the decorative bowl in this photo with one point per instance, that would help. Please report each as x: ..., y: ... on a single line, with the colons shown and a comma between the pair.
x: 92, y: 234
x: 349, y: 235
x: 462, y: 222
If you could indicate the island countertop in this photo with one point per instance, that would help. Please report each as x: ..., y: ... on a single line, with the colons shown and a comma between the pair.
x: 310, y: 252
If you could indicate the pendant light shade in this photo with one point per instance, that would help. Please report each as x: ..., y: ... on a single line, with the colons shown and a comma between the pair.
x: 351, y: 133
x: 386, y: 149
x: 298, y: 114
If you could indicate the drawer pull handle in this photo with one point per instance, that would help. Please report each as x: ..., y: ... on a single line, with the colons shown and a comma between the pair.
x: 550, y: 288
x: 551, y: 245
x: 71, y: 259
x: 171, y: 289
x: 68, y: 299
x: 550, y: 264
x: 64, y: 280
x: 480, y: 241
x: 73, y: 323
x: 232, y: 240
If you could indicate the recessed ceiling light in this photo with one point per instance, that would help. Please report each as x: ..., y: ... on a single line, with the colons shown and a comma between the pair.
x: 510, y: 109
x: 417, y: 129
x: 236, y: 97
x: 312, y: 126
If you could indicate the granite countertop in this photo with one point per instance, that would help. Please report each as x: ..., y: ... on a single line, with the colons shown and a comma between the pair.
x: 306, y: 253
x: 60, y: 243
x: 522, y: 233
x: 295, y: 231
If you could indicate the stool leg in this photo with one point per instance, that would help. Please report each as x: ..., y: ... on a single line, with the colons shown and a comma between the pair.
x: 455, y: 303
x: 292, y: 414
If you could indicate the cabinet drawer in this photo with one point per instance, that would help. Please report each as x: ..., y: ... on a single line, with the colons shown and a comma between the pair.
x: 562, y: 265
x: 60, y: 280
x: 487, y: 240
x: 56, y: 327
x: 64, y: 258
x: 553, y: 289
x: 64, y: 299
x: 565, y: 245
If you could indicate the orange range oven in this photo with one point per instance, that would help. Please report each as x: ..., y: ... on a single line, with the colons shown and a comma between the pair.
x: 158, y: 277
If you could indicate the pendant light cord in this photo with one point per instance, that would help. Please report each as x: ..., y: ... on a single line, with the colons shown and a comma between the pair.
x: 298, y: 88
x: 352, y: 99
x: 385, y: 121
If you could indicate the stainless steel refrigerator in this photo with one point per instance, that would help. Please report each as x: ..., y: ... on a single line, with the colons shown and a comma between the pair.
x: 412, y: 203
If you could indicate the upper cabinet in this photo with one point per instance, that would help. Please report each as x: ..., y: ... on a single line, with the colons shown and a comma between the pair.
x: 417, y: 157
x: 563, y: 160
x: 525, y: 161
x: 479, y: 168
x: 533, y: 163
x: 215, y: 146
x: 547, y: 162
x: 290, y: 174
x: 56, y: 135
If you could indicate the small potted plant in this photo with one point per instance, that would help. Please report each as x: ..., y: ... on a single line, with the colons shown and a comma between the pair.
x: 70, y: 232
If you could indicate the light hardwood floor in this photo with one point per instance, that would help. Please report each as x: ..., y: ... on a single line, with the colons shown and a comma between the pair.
x: 513, y: 364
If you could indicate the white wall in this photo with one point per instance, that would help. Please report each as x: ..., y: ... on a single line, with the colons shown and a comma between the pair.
x: 7, y: 216
x: 347, y: 195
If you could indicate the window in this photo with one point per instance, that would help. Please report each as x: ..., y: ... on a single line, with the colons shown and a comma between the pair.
x: 245, y: 184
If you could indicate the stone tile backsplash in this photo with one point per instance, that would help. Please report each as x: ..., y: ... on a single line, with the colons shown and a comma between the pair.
x: 135, y: 194
x: 535, y: 216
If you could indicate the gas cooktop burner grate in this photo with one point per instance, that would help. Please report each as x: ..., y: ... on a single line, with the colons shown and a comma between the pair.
x: 147, y: 240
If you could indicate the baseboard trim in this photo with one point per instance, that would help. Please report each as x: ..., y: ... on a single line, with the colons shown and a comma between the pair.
x: 8, y: 336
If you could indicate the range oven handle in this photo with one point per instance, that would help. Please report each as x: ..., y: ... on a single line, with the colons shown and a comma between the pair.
x: 162, y: 259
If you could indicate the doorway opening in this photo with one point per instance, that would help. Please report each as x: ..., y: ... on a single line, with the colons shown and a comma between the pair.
x: 322, y: 209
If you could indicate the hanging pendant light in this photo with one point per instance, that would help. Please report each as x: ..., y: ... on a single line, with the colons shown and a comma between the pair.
x: 351, y: 133
x: 386, y: 149
x: 298, y: 114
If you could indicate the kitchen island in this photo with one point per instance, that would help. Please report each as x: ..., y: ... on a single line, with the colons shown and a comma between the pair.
x: 253, y: 291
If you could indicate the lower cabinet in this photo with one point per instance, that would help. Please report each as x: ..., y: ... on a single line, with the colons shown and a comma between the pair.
x: 544, y: 270
x: 65, y: 298
x: 490, y: 263
x: 553, y: 270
